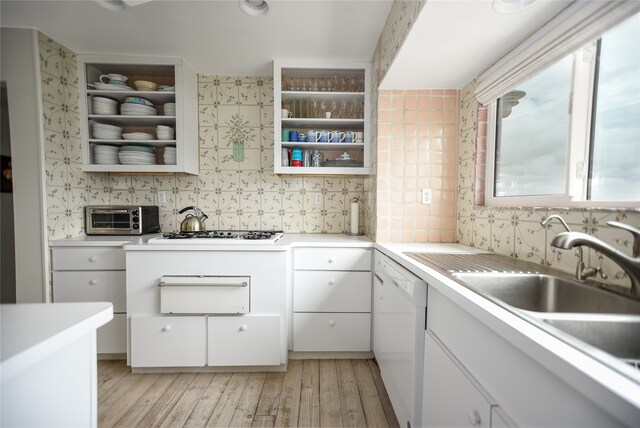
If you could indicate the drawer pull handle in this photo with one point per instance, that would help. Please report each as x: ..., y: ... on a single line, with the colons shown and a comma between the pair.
x: 332, y: 323
x: 93, y: 282
x: 243, y: 327
x: 92, y: 259
x: 330, y: 260
x: 474, y: 418
x: 166, y: 328
x: 332, y: 281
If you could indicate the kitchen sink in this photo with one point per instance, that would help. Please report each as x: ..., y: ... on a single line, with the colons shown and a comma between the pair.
x: 619, y: 337
x: 548, y: 293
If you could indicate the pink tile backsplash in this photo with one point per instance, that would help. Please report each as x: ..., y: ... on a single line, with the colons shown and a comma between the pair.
x: 417, y: 148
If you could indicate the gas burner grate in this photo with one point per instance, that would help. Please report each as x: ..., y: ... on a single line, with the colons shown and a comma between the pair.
x: 222, y: 234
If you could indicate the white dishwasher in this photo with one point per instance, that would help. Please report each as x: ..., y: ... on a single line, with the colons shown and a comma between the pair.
x: 399, y: 313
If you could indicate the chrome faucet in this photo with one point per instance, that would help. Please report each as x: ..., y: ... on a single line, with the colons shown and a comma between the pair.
x: 581, y: 271
x: 631, y: 265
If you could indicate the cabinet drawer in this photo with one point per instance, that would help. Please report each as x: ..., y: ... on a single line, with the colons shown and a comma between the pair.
x: 331, y: 291
x: 91, y: 286
x: 331, y: 332
x: 244, y: 340
x: 88, y: 258
x: 112, y: 337
x: 332, y: 259
x: 167, y: 341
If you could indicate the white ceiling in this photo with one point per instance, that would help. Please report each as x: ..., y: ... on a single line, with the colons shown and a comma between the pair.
x: 452, y: 42
x: 215, y: 37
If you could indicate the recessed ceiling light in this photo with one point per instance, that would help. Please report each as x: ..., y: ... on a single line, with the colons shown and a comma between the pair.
x: 116, y: 5
x: 254, y: 7
x: 511, y: 6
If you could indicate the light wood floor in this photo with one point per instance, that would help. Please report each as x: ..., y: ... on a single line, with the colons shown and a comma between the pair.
x: 312, y: 393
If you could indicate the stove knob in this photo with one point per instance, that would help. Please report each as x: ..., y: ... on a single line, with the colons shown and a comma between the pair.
x: 135, y: 212
x: 136, y: 219
x: 135, y: 226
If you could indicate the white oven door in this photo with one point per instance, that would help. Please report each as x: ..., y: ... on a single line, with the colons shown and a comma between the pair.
x: 204, y: 294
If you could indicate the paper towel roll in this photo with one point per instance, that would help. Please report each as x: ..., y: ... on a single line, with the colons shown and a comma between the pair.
x: 354, y: 216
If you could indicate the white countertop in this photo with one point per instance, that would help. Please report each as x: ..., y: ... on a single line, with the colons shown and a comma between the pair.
x: 588, y: 374
x: 102, y: 241
x: 32, y: 331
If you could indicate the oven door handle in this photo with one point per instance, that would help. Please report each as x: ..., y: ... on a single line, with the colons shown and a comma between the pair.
x: 203, y: 281
x: 110, y: 211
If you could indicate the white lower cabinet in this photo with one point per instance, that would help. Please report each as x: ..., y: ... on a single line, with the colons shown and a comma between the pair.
x: 332, y: 300
x: 163, y: 341
x: 243, y: 341
x: 340, y: 332
x: 94, y: 274
x: 452, y: 398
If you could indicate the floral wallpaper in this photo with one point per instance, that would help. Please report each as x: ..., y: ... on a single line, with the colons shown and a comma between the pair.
x: 517, y: 232
x: 401, y: 18
x: 235, y: 195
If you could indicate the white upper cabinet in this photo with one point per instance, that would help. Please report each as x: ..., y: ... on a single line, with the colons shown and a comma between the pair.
x: 325, y: 97
x: 171, y: 106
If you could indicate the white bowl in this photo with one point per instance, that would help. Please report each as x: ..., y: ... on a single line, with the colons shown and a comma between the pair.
x: 137, y: 136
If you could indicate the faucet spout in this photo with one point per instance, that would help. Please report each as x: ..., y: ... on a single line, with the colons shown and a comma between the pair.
x: 631, y: 265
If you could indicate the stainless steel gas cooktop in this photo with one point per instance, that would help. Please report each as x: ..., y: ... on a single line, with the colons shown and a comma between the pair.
x: 215, y: 237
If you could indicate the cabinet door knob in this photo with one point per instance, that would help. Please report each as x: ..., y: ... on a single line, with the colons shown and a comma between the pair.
x: 332, y: 323
x: 474, y: 418
x: 166, y: 328
x: 330, y: 260
x: 92, y: 259
x: 243, y: 327
x: 332, y: 281
x: 93, y: 281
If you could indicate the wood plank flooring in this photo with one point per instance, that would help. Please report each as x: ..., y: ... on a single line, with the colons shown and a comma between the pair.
x: 312, y: 393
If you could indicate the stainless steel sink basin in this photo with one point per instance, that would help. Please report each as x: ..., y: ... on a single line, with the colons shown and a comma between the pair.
x: 619, y: 337
x: 546, y: 293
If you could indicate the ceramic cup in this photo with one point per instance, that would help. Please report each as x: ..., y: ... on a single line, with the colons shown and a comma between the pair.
x: 293, y: 135
x: 327, y: 115
x: 313, y: 136
x: 114, y: 78
x: 336, y: 137
x: 349, y: 137
x: 285, y: 135
x: 302, y: 137
x: 286, y: 114
x: 324, y: 136
x: 359, y: 137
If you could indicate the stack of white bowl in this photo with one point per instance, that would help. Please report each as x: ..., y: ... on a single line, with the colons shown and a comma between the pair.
x: 165, y: 132
x: 170, y: 109
x: 137, y: 136
x: 102, y: 105
x: 105, y: 155
x: 137, y: 155
x: 169, y: 155
x: 102, y: 131
x: 133, y: 109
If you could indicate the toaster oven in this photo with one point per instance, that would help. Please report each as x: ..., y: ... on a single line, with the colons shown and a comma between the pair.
x: 122, y: 219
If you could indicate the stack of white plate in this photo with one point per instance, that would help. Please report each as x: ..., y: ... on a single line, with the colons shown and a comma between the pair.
x: 103, y: 131
x: 137, y: 155
x: 105, y: 155
x: 137, y: 136
x: 169, y: 155
x: 165, y: 132
x: 170, y: 109
x: 102, y: 105
x: 131, y: 109
x: 166, y: 88
x: 111, y: 86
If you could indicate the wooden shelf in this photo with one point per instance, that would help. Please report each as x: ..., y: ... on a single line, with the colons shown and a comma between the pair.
x: 153, y: 96
x: 339, y: 124
x: 122, y: 120
x: 153, y: 143
x: 324, y: 146
x: 319, y: 96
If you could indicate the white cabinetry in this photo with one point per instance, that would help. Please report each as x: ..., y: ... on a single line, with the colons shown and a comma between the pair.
x: 165, y: 71
x: 94, y: 274
x: 332, y: 299
x: 310, y: 89
x: 243, y: 341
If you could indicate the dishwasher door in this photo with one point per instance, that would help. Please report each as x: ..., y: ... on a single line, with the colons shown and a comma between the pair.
x: 398, y: 322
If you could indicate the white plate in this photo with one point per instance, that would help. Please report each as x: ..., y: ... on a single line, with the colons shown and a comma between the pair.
x: 109, y: 87
x: 137, y: 136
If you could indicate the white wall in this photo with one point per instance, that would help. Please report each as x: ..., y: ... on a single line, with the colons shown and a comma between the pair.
x: 21, y: 72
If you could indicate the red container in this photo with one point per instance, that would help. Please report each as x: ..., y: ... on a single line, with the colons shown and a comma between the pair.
x: 296, y: 163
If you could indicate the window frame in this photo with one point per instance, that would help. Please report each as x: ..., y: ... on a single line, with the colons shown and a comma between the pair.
x: 578, y: 147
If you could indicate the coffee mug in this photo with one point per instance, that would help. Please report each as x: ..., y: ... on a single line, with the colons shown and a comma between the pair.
x: 302, y: 137
x: 114, y: 78
x: 336, y: 136
x: 324, y: 136
x: 286, y: 114
x: 285, y: 135
x: 293, y: 135
x: 349, y: 137
x: 313, y: 136
x: 359, y: 137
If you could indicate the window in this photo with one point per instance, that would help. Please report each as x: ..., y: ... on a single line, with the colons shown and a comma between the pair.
x: 570, y: 135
